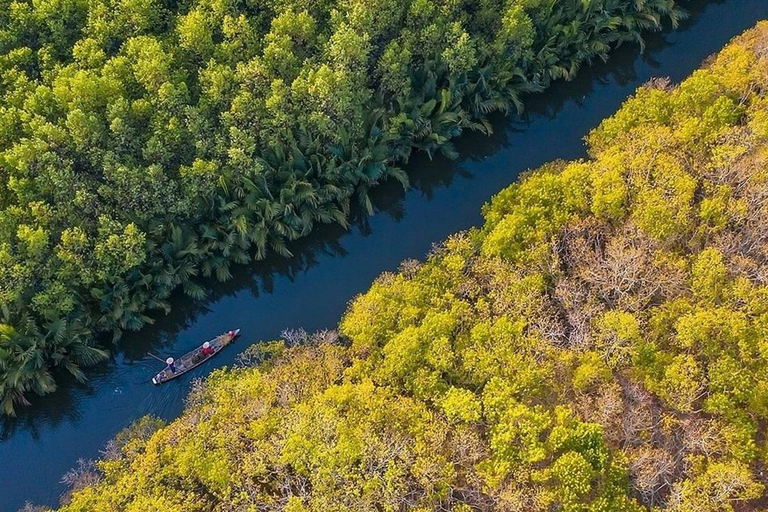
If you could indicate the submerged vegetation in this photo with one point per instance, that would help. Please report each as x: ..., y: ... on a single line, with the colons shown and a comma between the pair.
x: 600, y: 344
x: 144, y: 145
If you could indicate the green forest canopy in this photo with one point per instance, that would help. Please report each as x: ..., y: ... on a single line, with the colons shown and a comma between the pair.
x: 144, y: 144
x: 600, y: 344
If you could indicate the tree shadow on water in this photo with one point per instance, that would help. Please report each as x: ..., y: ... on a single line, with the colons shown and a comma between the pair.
x: 59, y: 407
x: 620, y: 69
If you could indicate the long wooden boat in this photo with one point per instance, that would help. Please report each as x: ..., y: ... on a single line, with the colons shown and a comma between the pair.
x: 194, y: 358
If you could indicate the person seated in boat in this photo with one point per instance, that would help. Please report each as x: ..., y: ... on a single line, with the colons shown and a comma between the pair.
x: 171, y: 364
x: 159, y: 377
x: 207, y: 349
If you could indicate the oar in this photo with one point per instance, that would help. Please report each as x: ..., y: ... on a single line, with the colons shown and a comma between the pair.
x: 153, y: 355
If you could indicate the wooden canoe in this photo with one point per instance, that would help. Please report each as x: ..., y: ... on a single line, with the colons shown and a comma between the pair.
x: 195, y: 358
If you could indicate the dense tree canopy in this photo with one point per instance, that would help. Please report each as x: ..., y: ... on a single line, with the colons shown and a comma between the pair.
x: 600, y: 344
x: 144, y: 144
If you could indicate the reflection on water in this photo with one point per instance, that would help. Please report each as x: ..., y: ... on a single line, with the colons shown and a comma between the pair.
x: 331, y: 265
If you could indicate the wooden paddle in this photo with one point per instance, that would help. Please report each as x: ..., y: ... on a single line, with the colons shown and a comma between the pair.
x: 161, y: 360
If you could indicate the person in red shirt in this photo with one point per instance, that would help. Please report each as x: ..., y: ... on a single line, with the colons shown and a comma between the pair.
x: 207, y: 349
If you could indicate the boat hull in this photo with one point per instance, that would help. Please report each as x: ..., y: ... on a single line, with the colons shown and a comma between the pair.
x: 195, y: 358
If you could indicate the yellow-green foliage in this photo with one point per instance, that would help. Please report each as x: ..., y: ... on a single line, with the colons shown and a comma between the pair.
x: 148, y: 144
x: 601, y: 344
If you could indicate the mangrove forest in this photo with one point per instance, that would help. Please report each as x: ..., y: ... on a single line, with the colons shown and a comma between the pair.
x: 148, y: 145
x: 599, y: 344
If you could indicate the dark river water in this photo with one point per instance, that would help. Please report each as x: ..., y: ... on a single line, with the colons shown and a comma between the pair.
x: 332, y: 265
